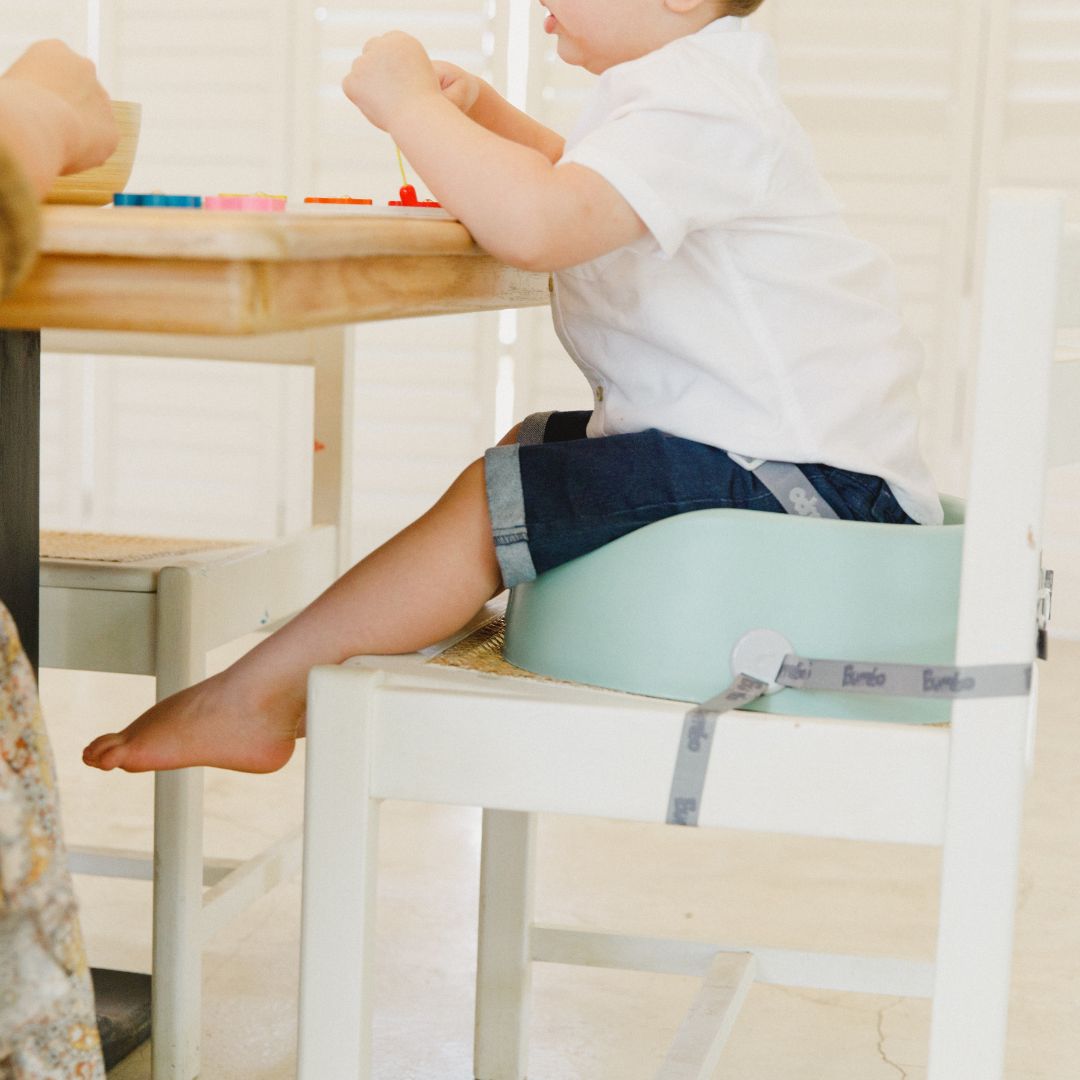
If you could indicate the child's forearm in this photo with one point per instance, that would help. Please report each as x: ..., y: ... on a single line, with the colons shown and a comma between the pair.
x: 507, y: 190
x: 494, y: 112
x: 497, y: 186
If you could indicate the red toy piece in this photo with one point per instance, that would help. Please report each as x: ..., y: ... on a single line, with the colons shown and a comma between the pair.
x: 408, y: 198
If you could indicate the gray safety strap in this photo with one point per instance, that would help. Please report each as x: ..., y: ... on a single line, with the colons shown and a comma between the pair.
x: 789, y: 485
x: 696, y: 743
x: 792, y: 489
x: 906, y: 680
x: 797, y: 672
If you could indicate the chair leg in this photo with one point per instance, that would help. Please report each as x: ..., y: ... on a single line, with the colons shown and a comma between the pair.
x: 337, y: 933
x: 500, y: 1049
x: 176, y: 1008
x: 978, y: 895
x: 176, y: 1020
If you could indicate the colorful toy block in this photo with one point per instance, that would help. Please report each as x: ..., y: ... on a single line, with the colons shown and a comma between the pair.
x: 407, y: 197
x: 191, y: 202
x: 245, y: 202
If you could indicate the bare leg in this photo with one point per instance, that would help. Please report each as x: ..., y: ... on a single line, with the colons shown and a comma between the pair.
x: 420, y: 586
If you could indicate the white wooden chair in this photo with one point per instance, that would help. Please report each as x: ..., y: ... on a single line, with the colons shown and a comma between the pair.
x: 399, y: 728
x: 161, y: 616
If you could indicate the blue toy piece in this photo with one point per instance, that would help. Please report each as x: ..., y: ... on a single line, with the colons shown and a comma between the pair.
x: 191, y: 202
x: 658, y: 611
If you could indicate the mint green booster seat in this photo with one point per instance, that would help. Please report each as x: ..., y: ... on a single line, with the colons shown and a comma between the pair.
x: 659, y: 611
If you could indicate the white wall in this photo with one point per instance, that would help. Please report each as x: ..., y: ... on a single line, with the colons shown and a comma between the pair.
x: 915, y: 110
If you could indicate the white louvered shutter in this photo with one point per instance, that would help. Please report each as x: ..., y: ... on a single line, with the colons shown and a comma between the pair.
x: 425, y: 387
x: 177, y: 447
x: 174, y: 447
x: 890, y: 96
x: 198, y: 448
x: 212, y: 77
x: 1033, y: 101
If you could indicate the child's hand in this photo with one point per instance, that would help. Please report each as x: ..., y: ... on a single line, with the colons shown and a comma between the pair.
x: 458, y: 85
x: 393, y: 69
x: 60, y: 90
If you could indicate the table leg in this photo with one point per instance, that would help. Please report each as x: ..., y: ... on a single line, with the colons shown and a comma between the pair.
x: 20, y: 437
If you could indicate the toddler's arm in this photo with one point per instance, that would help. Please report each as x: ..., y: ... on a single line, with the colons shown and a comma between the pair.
x: 481, y: 102
x: 509, y: 194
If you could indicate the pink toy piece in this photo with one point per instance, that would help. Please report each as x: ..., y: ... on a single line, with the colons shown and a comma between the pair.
x: 243, y: 202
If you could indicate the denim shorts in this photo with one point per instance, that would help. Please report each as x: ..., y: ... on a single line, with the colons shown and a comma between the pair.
x: 556, y: 494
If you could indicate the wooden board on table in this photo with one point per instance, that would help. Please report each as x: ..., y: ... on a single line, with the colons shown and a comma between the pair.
x: 183, y: 271
x: 163, y: 232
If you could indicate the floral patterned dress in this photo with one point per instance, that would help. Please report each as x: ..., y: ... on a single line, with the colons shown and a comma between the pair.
x: 47, y: 1025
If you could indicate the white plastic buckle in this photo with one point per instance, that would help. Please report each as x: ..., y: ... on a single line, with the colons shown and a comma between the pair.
x: 760, y: 654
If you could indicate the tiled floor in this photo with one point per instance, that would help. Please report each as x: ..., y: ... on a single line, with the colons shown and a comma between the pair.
x: 592, y: 1025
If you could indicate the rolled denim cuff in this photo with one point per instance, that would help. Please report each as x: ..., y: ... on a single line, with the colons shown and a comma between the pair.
x: 506, y: 506
x: 532, y: 428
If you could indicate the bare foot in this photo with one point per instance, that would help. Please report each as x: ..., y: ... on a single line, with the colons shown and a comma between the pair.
x: 211, y: 723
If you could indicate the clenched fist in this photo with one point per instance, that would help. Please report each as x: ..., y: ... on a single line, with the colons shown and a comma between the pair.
x: 393, y: 70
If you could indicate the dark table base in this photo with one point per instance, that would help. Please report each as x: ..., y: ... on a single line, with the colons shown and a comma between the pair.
x: 20, y: 448
x: 123, y: 1012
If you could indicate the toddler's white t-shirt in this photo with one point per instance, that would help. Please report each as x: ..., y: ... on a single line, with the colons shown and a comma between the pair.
x: 748, y: 317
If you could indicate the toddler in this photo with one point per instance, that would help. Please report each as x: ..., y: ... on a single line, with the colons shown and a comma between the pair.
x: 705, y: 284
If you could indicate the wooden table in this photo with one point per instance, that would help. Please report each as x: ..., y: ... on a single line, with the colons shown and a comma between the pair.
x: 204, y: 272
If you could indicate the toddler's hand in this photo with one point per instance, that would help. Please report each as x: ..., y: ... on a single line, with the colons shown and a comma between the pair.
x: 458, y: 85
x: 392, y: 70
x: 61, y: 91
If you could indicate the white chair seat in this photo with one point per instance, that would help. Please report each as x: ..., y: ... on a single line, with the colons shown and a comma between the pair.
x: 102, y: 615
x: 803, y: 775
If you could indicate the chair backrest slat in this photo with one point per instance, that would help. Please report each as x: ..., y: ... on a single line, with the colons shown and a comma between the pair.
x: 1003, y: 526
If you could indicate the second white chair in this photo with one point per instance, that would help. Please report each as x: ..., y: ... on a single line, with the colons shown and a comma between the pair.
x: 161, y: 616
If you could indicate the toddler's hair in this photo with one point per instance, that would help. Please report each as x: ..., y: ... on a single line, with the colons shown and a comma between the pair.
x: 743, y: 7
